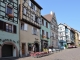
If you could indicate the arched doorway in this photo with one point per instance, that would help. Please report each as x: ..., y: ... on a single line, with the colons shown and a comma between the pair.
x: 36, y: 47
x: 9, y: 49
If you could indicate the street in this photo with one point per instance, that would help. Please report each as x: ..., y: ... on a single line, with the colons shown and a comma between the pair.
x: 67, y: 54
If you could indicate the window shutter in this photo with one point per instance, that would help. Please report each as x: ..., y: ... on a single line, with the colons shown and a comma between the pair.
x: 44, y: 23
x: 41, y: 32
x: 45, y: 33
x: 35, y: 8
x: 51, y: 34
x: 24, y: 10
x: 4, y: 26
x: 48, y: 34
x: 1, y: 25
x: 48, y: 25
x: 32, y: 30
x: 25, y: 26
x: 41, y: 21
x: 14, y: 29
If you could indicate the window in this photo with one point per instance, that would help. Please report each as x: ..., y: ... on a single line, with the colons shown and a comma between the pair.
x: 33, y: 6
x: 60, y: 28
x: 36, y: 19
x: 8, y: 27
x: 23, y: 26
x: 52, y: 25
x: 42, y: 22
x: 24, y: 11
x: 33, y: 17
x: 67, y: 37
x: 29, y: 3
x: 29, y: 46
x: 47, y: 34
x: 42, y: 32
x: 9, y: 10
x: 66, y: 30
x: 34, y: 31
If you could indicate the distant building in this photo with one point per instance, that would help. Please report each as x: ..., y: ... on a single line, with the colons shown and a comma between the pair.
x: 66, y: 34
x: 79, y: 38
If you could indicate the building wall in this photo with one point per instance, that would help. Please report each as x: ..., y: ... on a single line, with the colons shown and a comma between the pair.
x: 61, y: 32
x: 46, y: 30
x: 68, y: 34
x: 30, y: 10
x: 11, y: 37
x: 79, y: 36
x: 76, y: 39
x: 29, y: 19
x: 72, y: 36
x: 54, y: 30
x: 28, y: 37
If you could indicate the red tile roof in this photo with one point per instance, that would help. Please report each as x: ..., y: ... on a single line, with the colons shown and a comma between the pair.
x: 48, y: 17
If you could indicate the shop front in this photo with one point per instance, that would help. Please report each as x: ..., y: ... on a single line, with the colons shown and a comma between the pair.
x: 44, y: 44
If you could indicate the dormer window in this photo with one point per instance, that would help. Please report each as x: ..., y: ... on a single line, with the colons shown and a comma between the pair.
x: 9, y: 11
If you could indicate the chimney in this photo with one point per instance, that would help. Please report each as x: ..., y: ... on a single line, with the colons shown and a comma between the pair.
x: 51, y: 13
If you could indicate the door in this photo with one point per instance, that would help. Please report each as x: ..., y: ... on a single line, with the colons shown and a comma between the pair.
x: 7, y: 50
x: 23, y: 48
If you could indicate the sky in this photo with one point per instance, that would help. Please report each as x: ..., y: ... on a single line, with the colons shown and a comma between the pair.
x: 66, y: 11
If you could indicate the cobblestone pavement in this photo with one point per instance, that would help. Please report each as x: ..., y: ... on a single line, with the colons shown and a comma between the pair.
x: 68, y: 54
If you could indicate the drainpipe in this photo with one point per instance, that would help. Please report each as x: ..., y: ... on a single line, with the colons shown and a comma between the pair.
x: 20, y: 18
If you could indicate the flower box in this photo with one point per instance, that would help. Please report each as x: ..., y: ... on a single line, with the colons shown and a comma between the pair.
x: 44, y: 36
x: 10, y: 15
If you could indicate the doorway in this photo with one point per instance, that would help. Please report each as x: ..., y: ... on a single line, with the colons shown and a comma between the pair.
x: 23, y: 48
x: 7, y: 50
x: 36, y: 47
